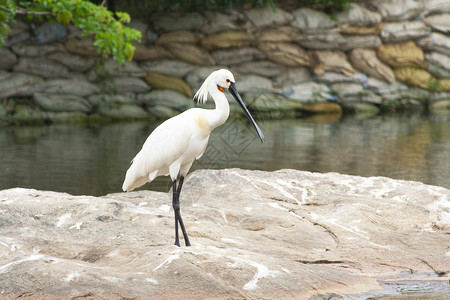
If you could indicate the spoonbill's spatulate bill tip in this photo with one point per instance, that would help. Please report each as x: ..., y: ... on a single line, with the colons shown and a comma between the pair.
x: 174, y: 145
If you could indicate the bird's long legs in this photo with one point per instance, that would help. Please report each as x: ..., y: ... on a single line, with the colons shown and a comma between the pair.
x: 176, y: 208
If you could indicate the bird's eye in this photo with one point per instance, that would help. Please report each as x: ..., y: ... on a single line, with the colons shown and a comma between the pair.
x: 228, y: 80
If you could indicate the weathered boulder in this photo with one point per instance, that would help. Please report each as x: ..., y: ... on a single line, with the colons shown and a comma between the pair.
x: 397, y: 10
x: 82, y: 46
x: 7, y: 59
x: 191, y: 54
x: 287, y: 54
x: 335, y: 61
x: 436, y: 42
x: 262, y: 17
x: 167, y: 67
x: 373, y: 30
x: 41, y: 66
x: 142, y: 27
x: 401, y: 54
x: 402, y: 31
x: 150, y: 53
x: 74, y: 62
x: 386, y: 90
x: 37, y: 50
x: 438, y: 64
x: 227, y: 39
x: 160, y: 81
x: 310, y: 19
x: 73, y: 86
x: 439, y: 22
x: 12, y: 84
x: 309, y: 91
x: 278, y: 34
x: 263, y: 68
x: 358, y: 15
x: 128, y: 68
x: 62, y: 103
x: 179, y: 37
x: 246, y: 245
x: 237, y: 56
x: 434, y: 6
x: 366, y: 61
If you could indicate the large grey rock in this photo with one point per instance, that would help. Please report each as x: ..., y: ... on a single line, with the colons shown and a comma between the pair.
x: 438, y: 64
x: 285, y: 234
x: 77, y: 63
x: 397, y: 10
x: 402, y: 31
x: 41, y: 66
x: 62, y: 103
x: 7, y: 59
x: 436, y: 42
x: 354, y: 92
x: 167, y: 67
x: 334, y: 61
x: 439, y: 22
x: 128, y: 68
x: 12, y: 84
x: 261, y: 17
x: 192, y: 54
x: 358, y: 15
x: 237, y: 56
x: 73, y: 86
x: 310, y: 19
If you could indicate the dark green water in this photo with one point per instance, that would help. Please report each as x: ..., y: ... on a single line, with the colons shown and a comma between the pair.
x: 93, y: 159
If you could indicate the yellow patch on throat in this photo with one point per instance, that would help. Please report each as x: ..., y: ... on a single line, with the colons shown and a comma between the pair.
x: 202, y: 124
x: 220, y: 88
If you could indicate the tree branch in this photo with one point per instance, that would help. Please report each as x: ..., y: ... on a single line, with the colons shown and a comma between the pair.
x: 23, y: 11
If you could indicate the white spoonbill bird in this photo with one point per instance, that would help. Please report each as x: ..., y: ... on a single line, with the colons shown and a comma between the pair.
x: 174, y: 145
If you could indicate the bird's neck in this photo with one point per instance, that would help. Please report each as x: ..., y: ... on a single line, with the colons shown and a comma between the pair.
x: 220, y: 114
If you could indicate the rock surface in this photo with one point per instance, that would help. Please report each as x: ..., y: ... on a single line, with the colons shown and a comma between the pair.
x: 286, y: 234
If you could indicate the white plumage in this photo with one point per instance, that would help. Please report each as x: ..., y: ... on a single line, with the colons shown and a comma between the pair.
x: 174, y: 145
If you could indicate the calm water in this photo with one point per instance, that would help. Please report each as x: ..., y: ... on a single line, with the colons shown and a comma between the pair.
x: 93, y: 159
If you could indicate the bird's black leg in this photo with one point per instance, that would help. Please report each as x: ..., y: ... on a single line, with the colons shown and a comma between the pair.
x: 175, y: 204
x: 176, y: 208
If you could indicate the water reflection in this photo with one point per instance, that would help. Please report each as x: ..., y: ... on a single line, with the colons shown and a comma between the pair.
x: 93, y: 159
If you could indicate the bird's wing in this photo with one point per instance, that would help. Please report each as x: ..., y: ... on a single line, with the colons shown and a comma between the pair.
x: 163, y: 146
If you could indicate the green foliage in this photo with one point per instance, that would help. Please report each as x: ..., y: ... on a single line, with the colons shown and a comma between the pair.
x: 112, y: 37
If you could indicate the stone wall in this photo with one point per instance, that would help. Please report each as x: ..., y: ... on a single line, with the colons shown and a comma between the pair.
x: 381, y: 54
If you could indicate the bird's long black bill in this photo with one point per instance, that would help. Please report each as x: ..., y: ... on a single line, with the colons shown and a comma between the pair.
x: 238, y: 98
